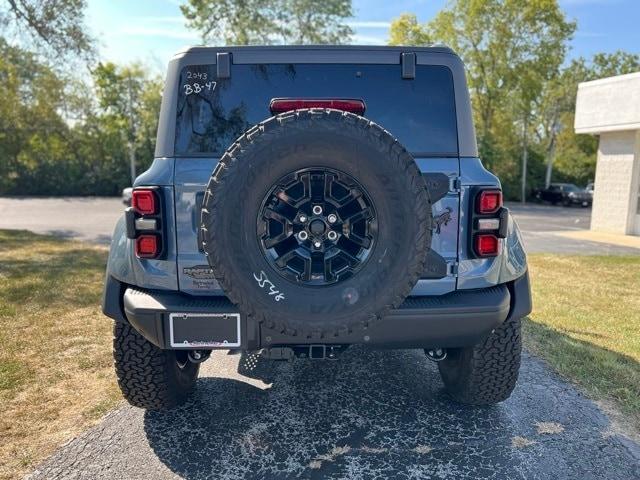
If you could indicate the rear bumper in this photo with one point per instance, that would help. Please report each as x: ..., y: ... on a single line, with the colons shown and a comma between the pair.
x: 461, y: 318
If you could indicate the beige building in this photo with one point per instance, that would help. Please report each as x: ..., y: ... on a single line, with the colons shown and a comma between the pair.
x: 610, y: 108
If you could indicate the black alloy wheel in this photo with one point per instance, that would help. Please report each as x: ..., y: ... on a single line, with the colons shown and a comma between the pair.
x: 317, y: 226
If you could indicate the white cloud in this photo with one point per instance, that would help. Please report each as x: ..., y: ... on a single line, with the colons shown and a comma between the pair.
x: 144, y: 31
x: 368, y: 40
x: 368, y: 24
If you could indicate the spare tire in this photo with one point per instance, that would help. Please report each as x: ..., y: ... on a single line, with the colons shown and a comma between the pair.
x: 316, y: 222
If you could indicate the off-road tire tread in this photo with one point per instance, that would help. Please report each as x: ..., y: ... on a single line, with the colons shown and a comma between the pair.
x: 144, y: 371
x: 304, y: 119
x: 489, y: 371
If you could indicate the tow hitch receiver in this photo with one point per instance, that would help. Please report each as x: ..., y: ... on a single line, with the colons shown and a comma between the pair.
x: 313, y: 352
x: 323, y: 352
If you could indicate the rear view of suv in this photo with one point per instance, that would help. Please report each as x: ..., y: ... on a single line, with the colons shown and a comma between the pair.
x: 305, y: 199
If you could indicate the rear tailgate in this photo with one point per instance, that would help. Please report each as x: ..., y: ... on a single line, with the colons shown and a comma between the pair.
x: 195, y: 277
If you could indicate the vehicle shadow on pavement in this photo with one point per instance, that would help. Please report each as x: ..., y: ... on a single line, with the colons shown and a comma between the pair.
x: 372, y: 412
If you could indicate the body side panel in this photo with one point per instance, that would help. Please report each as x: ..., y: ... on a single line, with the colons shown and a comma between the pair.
x: 486, y: 272
x: 125, y: 267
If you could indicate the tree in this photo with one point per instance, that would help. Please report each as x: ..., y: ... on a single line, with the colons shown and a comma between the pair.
x: 131, y: 104
x: 250, y: 22
x: 59, y: 136
x: 575, y: 155
x: 316, y: 22
x: 32, y: 133
x: 405, y: 30
x: 53, y: 26
x: 511, y: 48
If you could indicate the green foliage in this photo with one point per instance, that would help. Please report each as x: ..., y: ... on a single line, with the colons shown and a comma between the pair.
x: 265, y: 22
x: 514, y: 52
x: 30, y: 96
x: 59, y: 137
x: 571, y: 157
x: 52, y: 26
x: 405, y: 30
x: 512, y: 49
x: 316, y: 22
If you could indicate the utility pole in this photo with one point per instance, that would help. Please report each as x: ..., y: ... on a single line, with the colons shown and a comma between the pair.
x: 132, y: 135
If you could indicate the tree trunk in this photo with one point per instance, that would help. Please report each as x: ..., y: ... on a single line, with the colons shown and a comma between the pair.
x: 549, y: 171
x: 523, y: 192
x: 132, y: 133
x: 551, y: 150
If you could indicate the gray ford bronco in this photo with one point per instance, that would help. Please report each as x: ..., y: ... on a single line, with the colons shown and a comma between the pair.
x: 305, y: 199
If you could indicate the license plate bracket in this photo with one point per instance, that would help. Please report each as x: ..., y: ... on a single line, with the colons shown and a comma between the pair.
x: 204, y: 330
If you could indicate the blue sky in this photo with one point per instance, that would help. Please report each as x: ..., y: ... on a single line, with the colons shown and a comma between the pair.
x: 152, y: 30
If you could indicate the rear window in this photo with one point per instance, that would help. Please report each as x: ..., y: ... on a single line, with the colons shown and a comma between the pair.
x: 212, y: 113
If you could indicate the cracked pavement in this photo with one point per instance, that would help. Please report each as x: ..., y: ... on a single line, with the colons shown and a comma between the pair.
x: 369, y: 415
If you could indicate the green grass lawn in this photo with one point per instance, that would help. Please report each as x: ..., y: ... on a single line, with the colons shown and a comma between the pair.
x: 56, y: 375
x: 586, y: 324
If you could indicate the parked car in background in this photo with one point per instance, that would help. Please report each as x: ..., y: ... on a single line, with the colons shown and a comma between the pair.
x: 563, y: 193
x: 589, y: 190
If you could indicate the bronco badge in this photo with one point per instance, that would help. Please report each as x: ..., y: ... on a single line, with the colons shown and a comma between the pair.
x: 199, y: 272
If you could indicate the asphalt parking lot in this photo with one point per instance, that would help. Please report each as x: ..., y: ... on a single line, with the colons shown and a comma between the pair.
x: 368, y: 415
x: 540, y: 225
x: 81, y: 218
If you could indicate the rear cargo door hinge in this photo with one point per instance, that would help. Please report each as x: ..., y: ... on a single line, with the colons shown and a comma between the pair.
x: 453, y: 268
x: 454, y: 184
x: 223, y: 65
x: 408, y: 63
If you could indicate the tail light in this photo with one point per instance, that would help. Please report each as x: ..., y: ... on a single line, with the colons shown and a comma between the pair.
x: 488, y: 201
x: 144, y: 222
x: 281, y: 105
x: 144, y: 201
x: 487, y: 245
x: 147, y: 246
x: 489, y: 222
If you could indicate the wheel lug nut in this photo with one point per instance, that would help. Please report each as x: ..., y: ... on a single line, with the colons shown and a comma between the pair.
x: 332, y: 218
x: 302, y: 235
x: 317, y: 244
x: 332, y: 235
x: 317, y: 210
x: 302, y: 218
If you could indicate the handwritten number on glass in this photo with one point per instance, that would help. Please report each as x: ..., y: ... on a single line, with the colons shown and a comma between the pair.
x: 197, y: 87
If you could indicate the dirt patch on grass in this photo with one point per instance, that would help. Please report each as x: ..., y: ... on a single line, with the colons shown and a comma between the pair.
x: 56, y: 375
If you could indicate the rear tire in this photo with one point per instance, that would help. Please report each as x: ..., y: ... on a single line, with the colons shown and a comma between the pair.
x: 485, y: 373
x: 148, y: 376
